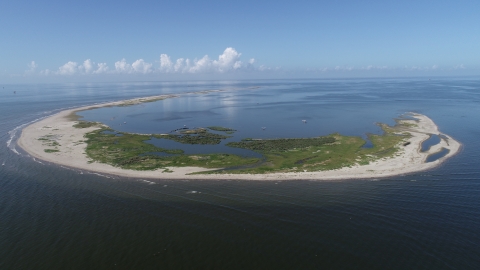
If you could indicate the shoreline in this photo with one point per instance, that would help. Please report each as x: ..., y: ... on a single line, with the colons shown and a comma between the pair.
x: 72, y: 147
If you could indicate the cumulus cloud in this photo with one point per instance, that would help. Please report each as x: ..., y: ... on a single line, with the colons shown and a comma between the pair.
x: 69, y: 68
x: 32, y: 66
x: 166, y: 64
x: 228, y: 61
x: 101, y: 68
x: 141, y: 66
x: 122, y: 66
x: 90, y: 67
x: 72, y: 68
x: 87, y: 66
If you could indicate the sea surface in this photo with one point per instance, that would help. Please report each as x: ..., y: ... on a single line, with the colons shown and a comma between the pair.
x: 53, y: 217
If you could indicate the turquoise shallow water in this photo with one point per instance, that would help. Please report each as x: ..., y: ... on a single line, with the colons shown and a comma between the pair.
x: 58, y: 218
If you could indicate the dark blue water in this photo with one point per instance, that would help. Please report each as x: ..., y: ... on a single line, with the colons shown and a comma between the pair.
x: 57, y: 218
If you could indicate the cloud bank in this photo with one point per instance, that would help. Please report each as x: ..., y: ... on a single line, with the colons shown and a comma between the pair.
x: 228, y: 61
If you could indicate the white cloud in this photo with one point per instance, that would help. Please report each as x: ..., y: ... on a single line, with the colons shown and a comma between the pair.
x: 166, y: 64
x: 228, y: 61
x: 141, y: 66
x: 87, y: 66
x: 69, y: 68
x: 73, y: 68
x: 179, y: 64
x: 102, y: 68
x: 122, y: 66
x: 238, y: 65
x: 202, y: 65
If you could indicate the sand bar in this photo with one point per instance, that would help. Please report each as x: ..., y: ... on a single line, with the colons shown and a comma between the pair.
x: 71, y: 151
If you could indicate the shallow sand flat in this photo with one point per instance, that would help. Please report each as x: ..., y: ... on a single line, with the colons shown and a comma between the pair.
x: 71, y: 151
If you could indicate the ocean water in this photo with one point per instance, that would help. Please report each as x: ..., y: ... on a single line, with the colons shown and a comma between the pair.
x: 52, y: 217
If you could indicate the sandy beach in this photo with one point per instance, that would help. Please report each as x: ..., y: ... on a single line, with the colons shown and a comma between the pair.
x: 71, y: 151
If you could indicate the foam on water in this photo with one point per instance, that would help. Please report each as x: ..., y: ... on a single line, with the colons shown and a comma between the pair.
x: 146, y: 181
x: 38, y: 161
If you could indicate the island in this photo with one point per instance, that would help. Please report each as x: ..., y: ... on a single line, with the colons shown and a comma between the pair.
x: 66, y: 140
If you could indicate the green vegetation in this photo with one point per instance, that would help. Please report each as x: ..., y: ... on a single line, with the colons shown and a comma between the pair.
x: 49, y: 140
x: 281, y: 144
x: 223, y: 129
x: 193, y: 131
x: 194, y: 136
x: 73, y: 116
x: 86, y: 124
x: 141, y: 100
x: 318, y: 154
x: 405, y: 124
x: 130, y: 151
x: 51, y: 150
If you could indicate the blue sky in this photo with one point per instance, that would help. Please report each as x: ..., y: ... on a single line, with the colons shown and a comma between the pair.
x: 110, y: 40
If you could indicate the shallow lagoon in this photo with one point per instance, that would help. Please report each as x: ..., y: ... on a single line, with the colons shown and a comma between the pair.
x: 280, y: 111
x: 263, y: 112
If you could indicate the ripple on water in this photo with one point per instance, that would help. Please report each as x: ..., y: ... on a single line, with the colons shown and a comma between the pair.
x: 422, y: 220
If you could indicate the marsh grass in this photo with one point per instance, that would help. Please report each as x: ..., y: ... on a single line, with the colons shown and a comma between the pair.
x: 86, y: 124
x: 322, y: 153
x: 73, y: 116
x: 131, y: 151
x: 141, y: 100
x: 194, y: 136
x: 49, y: 140
x: 222, y: 129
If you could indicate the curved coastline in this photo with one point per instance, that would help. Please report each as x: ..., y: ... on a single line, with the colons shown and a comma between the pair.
x: 72, y: 154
